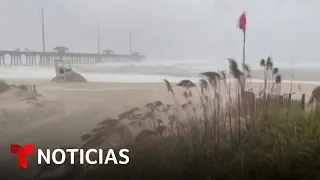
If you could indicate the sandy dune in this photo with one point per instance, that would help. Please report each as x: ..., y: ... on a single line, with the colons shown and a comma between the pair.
x: 64, y: 111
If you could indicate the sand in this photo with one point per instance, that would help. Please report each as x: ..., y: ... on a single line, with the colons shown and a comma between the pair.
x: 3, y: 86
x: 65, y: 111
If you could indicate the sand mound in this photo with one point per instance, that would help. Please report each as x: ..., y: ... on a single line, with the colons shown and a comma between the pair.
x: 139, y: 125
x: 72, y: 77
x: 3, y: 86
x: 17, y: 94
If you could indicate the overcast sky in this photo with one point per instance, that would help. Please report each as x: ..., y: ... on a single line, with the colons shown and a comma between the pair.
x: 167, y: 29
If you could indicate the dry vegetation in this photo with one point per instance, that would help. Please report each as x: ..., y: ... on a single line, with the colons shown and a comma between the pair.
x: 219, y: 132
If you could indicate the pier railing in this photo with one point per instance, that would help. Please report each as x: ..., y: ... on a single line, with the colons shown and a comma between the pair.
x: 33, y: 58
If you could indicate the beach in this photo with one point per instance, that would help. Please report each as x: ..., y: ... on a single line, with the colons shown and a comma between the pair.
x: 65, y: 111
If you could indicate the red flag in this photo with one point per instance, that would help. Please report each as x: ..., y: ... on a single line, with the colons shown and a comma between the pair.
x: 242, y: 23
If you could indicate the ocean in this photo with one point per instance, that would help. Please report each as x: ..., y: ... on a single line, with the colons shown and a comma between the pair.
x: 156, y: 71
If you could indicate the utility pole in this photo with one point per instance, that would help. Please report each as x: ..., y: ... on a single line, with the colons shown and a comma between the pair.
x: 43, y: 37
x: 98, y: 26
x: 130, y: 41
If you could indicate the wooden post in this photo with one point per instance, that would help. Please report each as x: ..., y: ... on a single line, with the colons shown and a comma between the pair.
x: 303, y: 103
x: 289, y: 100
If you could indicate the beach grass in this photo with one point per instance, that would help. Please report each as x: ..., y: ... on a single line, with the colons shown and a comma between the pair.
x: 215, y: 134
x: 276, y: 151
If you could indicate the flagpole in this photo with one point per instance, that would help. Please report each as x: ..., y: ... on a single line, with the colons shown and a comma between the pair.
x: 244, y: 49
x: 130, y: 46
x: 244, y: 58
x: 242, y: 25
x: 43, y: 36
x: 98, y: 32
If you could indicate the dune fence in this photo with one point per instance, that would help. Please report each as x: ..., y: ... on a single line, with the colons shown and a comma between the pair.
x: 27, y: 87
x: 278, y: 101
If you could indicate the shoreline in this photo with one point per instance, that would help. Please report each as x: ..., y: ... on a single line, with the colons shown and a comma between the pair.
x: 170, y: 79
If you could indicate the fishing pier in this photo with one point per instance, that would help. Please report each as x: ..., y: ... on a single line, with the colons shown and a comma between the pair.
x: 34, y: 58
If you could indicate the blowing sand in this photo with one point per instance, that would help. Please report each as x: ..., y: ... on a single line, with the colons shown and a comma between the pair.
x: 65, y: 111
